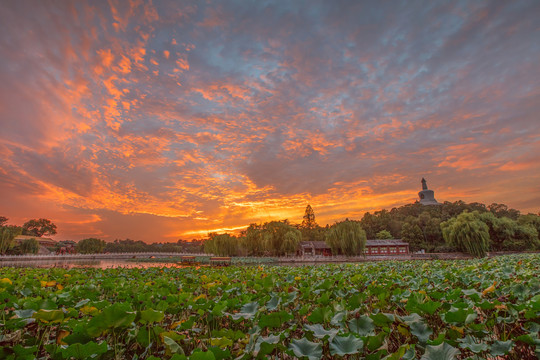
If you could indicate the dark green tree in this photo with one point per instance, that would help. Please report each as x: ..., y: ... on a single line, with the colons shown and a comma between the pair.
x: 347, y: 238
x: 39, y: 227
x: 90, y: 246
x: 384, y: 234
x: 222, y: 245
x: 467, y: 233
x: 530, y: 219
x: 412, y: 234
x: 308, y: 221
x: 7, y: 235
x: 3, y: 220
x: 29, y: 246
x: 502, y: 210
x: 280, y: 238
x: 254, y: 240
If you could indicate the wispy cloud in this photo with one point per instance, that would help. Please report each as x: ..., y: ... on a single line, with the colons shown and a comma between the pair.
x: 159, y: 120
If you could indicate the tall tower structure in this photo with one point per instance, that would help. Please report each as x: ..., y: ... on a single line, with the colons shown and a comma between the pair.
x: 427, y: 197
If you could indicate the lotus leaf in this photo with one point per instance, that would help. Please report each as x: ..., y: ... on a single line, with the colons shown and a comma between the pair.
x: 440, y: 352
x: 345, y: 345
x: 305, y: 348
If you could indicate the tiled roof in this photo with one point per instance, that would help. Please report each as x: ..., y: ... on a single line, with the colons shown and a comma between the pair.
x: 386, y: 242
x: 372, y: 242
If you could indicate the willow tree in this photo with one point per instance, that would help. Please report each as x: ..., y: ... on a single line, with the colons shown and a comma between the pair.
x: 90, y: 246
x: 7, y: 235
x: 280, y: 238
x: 254, y: 240
x: 346, y: 237
x: 222, y: 245
x: 467, y: 233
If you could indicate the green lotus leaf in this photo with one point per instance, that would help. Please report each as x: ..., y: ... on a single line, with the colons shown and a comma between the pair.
x: 440, y: 352
x: 321, y: 315
x: 500, y: 348
x: 273, y: 303
x: 49, y: 316
x: 220, y: 354
x: 345, y: 345
x: 266, y: 345
x: 429, y: 307
x: 376, y: 341
x: 18, y: 352
x: 405, y: 352
x: 24, y: 314
x: 202, y: 355
x: 82, y: 303
x: 381, y: 319
x: 337, y: 319
x: 469, y: 343
x: 421, y: 331
x: 172, y: 347
x: 459, y: 316
x: 84, y: 351
x: 274, y: 320
x: 531, y: 339
x: 118, y: 315
x: 362, y: 325
x: 221, y: 342
x: 176, y: 357
x: 408, y: 319
x: 305, y: 348
x: 219, y: 309
x: 320, y: 332
x: 472, y: 293
x: 143, y: 337
x: 247, y: 311
x: 151, y: 316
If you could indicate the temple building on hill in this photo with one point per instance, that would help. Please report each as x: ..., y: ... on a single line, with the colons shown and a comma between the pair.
x: 427, y: 197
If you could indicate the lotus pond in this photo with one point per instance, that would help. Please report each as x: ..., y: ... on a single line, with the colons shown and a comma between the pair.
x: 477, y: 309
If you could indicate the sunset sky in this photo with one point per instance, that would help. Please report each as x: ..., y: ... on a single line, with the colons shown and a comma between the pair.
x: 160, y: 120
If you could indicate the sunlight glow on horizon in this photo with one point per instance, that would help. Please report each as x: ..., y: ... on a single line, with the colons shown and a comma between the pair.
x: 155, y: 120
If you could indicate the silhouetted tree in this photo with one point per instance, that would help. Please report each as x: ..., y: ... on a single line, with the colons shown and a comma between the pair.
x: 39, y: 227
x: 90, y: 246
x: 308, y: 221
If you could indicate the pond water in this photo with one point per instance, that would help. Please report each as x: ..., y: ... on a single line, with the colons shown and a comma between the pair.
x: 114, y: 263
x: 101, y: 264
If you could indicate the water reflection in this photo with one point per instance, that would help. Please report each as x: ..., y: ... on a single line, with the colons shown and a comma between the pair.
x: 115, y: 263
x: 101, y: 264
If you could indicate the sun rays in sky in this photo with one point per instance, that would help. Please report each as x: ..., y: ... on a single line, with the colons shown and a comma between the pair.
x: 160, y: 120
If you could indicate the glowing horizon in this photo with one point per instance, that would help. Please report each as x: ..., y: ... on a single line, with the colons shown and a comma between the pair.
x: 157, y: 120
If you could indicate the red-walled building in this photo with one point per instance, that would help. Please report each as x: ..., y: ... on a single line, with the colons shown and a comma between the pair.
x: 373, y: 248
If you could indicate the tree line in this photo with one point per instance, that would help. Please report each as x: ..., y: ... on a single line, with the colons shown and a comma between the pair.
x: 34, y: 228
x: 38, y: 228
x: 449, y: 227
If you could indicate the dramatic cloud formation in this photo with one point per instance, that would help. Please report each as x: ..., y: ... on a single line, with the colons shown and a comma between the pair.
x: 159, y: 120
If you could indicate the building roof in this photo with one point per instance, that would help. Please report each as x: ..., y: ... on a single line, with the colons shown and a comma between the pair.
x: 391, y: 242
x: 40, y: 240
x: 372, y: 242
